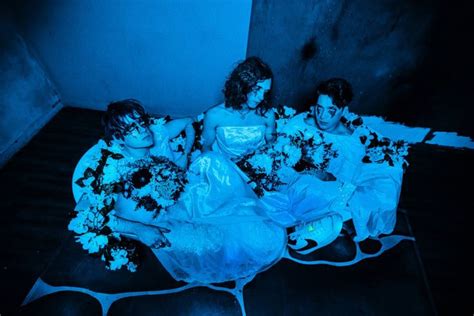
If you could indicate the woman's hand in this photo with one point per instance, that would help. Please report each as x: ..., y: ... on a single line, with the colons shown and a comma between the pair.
x: 154, y: 237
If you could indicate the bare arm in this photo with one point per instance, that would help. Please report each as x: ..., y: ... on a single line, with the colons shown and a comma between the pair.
x: 190, y: 138
x: 209, y: 130
x: 134, y: 224
x: 176, y: 126
x: 152, y: 236
x: 270, y: 126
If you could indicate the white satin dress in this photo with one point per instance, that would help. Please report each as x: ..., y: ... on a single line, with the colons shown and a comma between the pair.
x: 219, y: 228
x: 376, y: 187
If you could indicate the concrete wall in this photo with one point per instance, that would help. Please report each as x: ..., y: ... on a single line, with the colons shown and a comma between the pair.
x: 28, y: 100
x: 173, y: 55
x: 407, y: 60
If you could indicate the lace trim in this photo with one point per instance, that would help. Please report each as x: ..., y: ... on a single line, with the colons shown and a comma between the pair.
x: 345, y: 193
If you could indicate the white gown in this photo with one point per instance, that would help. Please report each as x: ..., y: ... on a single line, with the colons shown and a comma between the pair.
x: 304, y: 198
x: 367, y: 193
x: 373, y: 204
x: 219, y: 230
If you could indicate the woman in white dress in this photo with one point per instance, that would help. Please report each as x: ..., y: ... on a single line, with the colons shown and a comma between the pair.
x: 244, y: 121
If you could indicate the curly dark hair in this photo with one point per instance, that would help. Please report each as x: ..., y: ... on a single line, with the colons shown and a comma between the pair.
x: 340, y: 91
x: 243, y: 79
x: 113, y: 119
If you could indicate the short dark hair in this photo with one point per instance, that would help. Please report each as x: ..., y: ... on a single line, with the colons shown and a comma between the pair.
x: 243, y: 79
x: 340, y: 91
x: 113, y: 119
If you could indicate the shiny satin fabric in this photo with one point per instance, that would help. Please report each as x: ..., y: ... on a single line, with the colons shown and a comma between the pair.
x: 373, y: 205
x: 235, y: 141
x: 304, y: 199
x: 219, y: 231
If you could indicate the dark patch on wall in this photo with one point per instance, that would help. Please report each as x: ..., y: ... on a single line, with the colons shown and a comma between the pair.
x: 408, y: 61
x: 309, y: 50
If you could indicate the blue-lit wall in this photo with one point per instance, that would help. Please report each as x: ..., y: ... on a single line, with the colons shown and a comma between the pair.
x: 173, y: 55
x: 28, y: 100
x: 409, y: 61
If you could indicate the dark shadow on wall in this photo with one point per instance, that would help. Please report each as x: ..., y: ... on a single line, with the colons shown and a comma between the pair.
x: 408, y: 61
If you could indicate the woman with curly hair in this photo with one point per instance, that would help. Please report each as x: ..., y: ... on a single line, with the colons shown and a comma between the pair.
x: 244, y: 121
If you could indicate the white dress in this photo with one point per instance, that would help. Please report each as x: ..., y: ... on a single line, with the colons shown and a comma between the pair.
x: 304, y: 198
x: 377, y: 186
x: 219, y: 230
x: 367, y: 193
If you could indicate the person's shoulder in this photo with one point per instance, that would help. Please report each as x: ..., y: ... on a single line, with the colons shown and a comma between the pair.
x: 216, y: 108
x: 269, y: 117
x: 345, y: 130
x: 216, y: 111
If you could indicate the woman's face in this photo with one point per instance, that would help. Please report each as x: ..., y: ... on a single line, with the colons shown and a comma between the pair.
x: 137, y: 134
x: 327, y: 115
x: 256, y: 96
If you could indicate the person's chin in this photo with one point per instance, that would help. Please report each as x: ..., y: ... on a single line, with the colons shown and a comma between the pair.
x: 149, y: 144
x: 254, y: 105
x: 322, y: 126
x: 145, y: 144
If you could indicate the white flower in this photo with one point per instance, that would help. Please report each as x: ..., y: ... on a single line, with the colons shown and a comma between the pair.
x: 132, y: 267
x: 92, y: 242
x: 293, y: 154
x: 110, y: 172
x: 376, y: 154
x: 295, y: 126
x: 165, y: 202
x: 119, y: 259
x: 289, y: 111
x: 98, y: 201
x: 318, y: 155
x: 317, y: 139
x: 79, y: 223
x: 85, y: 220
x: 144, y: 191
x: 200, y: 117
x: 87, y: 182
x: 95, y: 220
x: 176, y: 142
x: 350, y: 116
x: 280, y: 142
x: 263, y: 162
x: 115, y: 147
